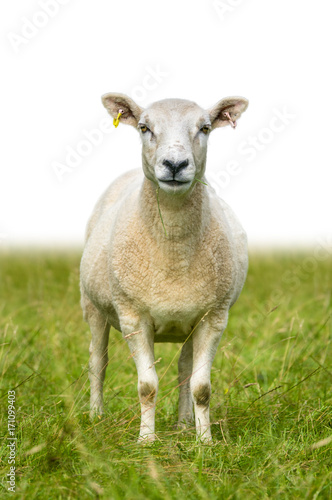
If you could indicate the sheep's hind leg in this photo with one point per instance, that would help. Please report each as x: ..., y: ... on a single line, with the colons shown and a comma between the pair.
x: 185, y: 366
x: 100, y: 328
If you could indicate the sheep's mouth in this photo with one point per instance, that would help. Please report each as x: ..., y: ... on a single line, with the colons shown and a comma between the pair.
x: 175, y: 183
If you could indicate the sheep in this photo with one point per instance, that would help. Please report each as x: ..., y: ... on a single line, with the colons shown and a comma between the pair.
x: 164, y: 257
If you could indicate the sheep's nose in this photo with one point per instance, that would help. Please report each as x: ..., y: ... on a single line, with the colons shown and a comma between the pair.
x: 176, y: 167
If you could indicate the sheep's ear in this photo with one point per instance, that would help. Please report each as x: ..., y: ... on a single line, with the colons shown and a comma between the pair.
x: 227, y: 111
x: 115, y: 103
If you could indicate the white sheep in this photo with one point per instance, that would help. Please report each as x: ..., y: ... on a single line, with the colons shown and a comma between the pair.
x: 165, y: 258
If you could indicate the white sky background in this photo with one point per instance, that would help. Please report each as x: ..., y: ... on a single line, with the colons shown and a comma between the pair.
x: 275, y: 53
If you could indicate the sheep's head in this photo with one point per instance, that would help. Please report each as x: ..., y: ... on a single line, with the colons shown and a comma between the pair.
x: 174, y: 135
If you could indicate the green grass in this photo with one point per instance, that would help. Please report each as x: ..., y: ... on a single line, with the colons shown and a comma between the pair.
x: 271, y: 401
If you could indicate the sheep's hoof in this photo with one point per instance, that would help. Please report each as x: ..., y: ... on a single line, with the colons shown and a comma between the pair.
x: 181, y: 426
x: 96, y: 414
x: 201, y: 439
x: 147, y: 438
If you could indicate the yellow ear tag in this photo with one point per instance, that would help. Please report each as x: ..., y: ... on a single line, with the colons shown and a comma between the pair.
x: 116, y: 120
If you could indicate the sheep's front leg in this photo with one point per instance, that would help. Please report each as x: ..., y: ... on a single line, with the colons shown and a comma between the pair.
x: 185, y: 366
x: 141, y: 345
x: 205, y: 342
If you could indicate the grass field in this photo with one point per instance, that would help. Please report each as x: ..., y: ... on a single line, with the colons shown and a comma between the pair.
x: 271, y: 407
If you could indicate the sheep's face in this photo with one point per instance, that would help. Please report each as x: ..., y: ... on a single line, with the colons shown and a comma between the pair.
x: 174, y: 135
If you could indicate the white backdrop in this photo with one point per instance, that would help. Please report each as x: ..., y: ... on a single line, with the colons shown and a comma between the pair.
x: 59, y: 56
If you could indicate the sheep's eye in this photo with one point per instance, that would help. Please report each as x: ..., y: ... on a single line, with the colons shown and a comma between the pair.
x: 205, y: 130
x: 143, y: 128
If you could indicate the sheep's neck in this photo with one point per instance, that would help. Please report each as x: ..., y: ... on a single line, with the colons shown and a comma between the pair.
x: 183, y: 216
